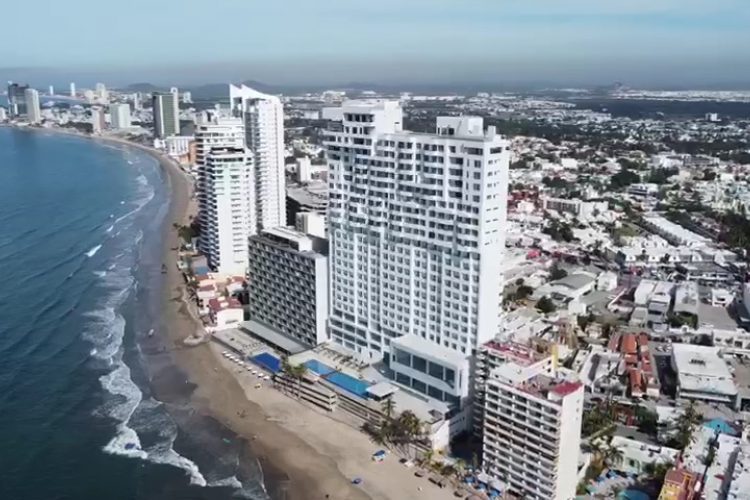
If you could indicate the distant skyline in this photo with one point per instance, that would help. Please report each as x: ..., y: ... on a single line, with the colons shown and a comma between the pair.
x: 640, y: 42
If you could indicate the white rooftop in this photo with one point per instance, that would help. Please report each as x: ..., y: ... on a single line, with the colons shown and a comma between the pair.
x: 700, y: 369
x: 418, y: 345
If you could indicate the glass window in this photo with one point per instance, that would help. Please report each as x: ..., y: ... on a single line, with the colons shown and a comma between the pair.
x: 403, y: 379
x: 450, y: 377
x: 419, y: 364
x: 436, y: 371
x: 419, y: 386
x: 435, y: 393
x: 403, y: 357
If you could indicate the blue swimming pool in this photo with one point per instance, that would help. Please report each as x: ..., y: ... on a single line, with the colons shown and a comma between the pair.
x: 316, y: 366
x: 267, y: 361
x: 350, y: 384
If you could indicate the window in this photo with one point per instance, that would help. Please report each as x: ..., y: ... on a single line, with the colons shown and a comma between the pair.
x: 403, y: 357
x: 450, y: 377
x: 419, y: 364
x: 436, y: 371
x: 419, y: 386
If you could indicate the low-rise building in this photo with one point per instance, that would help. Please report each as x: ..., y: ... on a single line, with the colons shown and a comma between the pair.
x: 224, y: 313
x: 703, y: 375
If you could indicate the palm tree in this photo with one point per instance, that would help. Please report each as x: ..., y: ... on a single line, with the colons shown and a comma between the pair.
x: 613, y: 455
x: 388, y: 408
x: 686, y: 424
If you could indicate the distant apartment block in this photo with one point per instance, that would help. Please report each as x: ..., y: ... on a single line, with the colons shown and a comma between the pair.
x: 166, y: 109
x: 119, y: 116
x: 33, y: 108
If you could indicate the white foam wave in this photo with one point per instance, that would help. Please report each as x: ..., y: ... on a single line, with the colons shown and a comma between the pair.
x: 110, y: 228
x: 92, y: 251
x: 100, y: 274
x: 227, y: 482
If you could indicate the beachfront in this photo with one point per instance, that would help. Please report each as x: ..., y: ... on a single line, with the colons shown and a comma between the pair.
x: 319, y: 455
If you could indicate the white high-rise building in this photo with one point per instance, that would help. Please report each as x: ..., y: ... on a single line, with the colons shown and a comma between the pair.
x: 263, y: 117
x: 228, y: 183
x: 119, y: 116
x: 417, y: 233
x: 33, y: 108
x: 51, y: 90
x: 72, y: 89
x: 98, y: 121
x: 221, y: 133
x: 101, y: 92
x: 3, y: 114
x: 532, y: 430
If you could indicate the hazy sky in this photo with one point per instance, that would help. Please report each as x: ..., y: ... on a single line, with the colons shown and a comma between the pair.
x: 308, y: 41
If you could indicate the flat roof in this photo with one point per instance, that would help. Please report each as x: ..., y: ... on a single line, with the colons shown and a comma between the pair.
x: 273, y: 337
x: 419, y: 345
x: 382, y: 389
x: 700, y: 369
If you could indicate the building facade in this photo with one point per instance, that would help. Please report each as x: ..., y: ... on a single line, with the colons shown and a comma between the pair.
x: 532, y: 430
x: 98, y: 121
x: 166, y: 110
x: 225, y: 212
x: 489, y: 356
x: 263, y: 118
x: 416, y: 225
x: 33, y: 107
x: 119, y: 116
x: 288, y: 284
x: 16, y: 100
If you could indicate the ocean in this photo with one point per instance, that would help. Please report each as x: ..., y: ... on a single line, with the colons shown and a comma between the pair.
x: 80, y: 352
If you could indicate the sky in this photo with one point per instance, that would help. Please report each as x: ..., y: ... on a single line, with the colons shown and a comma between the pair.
x: 647, y: 42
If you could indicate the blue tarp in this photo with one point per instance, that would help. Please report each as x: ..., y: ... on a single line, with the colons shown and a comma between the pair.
x: 633, y: 495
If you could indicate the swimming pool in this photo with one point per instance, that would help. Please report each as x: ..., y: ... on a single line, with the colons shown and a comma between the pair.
x: 267, y: 361
x: 350, y: 384
x: 316, y: 366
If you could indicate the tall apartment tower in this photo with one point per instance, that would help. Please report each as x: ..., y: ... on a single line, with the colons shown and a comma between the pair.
x: 214, y: 132
x: 16, y: 99
x: 263, y: 116
x: 532, y: 429
x: 226, y: 216
x: 119, y: 116
x: 33, y: 108
x: 417, y: 231
x: 72, y: 89
x: 166, y: 111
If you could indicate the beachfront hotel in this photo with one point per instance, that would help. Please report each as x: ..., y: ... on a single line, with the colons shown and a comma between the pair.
x: 532, y: 429
x: 263, y: 118
x: 288, y: 292
x: 417, y: 234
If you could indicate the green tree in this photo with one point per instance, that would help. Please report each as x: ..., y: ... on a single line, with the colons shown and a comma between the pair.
x: 557, y: 273
x: 545, y: 305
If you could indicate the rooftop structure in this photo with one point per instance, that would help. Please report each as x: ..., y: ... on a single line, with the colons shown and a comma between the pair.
x: 702, y: 374
x: 674, y: 233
